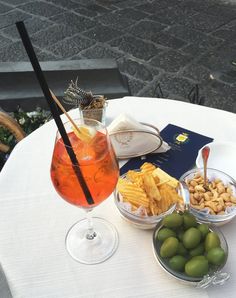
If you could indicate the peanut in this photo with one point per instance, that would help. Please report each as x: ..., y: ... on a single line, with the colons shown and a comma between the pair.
x: 201, y: 201
x: 225, y: 196
x: 219, y: 208
x: 233, y: 199
x: 215, y: 194
x: 213, y: 184
x: 191, y: 189
x: 207, y: 197
x: 198, y: 207
x: 199, y: 188
x: 193, y: 201
x: 220, y: 188
x: 212, y: 212
x: 196, y: 196
x: 212, y: 205
x: 193, y: 183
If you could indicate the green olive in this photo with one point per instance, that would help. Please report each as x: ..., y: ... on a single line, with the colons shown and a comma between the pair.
x: 189, y: 220
x: 212, y: 240
x: 182, y: 250
x: 204, y: 229
x: 173, y: 220
x: 177, y: 263
x: 180, y: 234
x: 198, y: 250
x: 169, y: 247
x: 197, y: 266
x: 191, y: 238
x: 165, y: 233
x: 216, y: 256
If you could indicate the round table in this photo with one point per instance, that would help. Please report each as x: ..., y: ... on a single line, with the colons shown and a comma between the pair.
x: 34, y: 219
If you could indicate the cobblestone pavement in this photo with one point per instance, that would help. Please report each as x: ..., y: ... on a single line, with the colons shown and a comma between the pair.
x: 162, y: 46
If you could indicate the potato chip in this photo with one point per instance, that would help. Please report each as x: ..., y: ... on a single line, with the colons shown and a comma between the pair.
x: 135, y: 177
x: 154, y: 209
x: 147, y: 167
x: 134, y: 194
x: 156, y: 179
x: 122, y: 184
x: 150, y: 187
x: 163, y: 176
x: 169, y: 193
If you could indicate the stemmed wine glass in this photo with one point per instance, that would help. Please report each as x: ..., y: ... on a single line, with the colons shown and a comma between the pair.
x: 90, y: 240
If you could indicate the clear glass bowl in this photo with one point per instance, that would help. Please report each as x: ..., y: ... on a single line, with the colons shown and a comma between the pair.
x: 139, y: 221
x: 214, y: 277
x: 204, y: 215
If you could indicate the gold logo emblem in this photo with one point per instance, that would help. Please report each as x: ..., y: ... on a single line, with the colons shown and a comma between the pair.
x: 181, y: 138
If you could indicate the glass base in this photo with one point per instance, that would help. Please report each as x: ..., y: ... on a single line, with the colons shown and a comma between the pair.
x: 96, y: 250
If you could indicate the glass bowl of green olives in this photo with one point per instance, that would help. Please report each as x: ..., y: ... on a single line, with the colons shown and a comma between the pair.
x: 190, y: 251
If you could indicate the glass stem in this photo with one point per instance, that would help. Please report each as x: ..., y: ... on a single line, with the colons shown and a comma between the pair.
x: 91, y: 234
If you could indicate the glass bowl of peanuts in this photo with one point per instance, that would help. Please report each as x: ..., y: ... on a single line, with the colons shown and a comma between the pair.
x: 215, y: 201
x: 144, y: 196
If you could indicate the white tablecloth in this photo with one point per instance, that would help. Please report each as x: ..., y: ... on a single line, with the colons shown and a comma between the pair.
x: 34, y: 219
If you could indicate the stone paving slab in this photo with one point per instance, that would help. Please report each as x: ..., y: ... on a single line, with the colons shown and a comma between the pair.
x: 41, y: 8
x: 174, y: 44
x: 16, y: 51
x: 171, y: 61
x: 16, y: 2
x: 133, y: 14
x: 8, y: 19
x: 99, y: 51
x: 136, y: 47
x: 138, y: 70
x: 33, y: 24
x: 102, y: 33
x: 70, y: 46
x: 86, y: 12
x: 146, y: 29
x: 203, y: 22
x: 73, y: 20
x: 116, y: 20
x: 4, y: 41
x: 68, y: 4
x: 4, y: 8
x: 46, y: 38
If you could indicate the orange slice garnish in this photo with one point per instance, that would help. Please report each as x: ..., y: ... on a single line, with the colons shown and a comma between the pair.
x: 85, y: 133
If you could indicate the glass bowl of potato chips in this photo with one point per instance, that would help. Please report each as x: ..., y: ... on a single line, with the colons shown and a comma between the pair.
x: 144, y: 196
x: 214, y: 202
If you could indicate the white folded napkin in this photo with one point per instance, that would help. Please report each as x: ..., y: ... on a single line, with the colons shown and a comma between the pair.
x: 128, y: 144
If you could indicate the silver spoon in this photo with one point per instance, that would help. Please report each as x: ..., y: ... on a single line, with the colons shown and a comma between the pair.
x: 185, y: 194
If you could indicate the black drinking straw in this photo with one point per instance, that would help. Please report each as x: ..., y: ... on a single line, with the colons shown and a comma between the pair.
x: 44, y: 86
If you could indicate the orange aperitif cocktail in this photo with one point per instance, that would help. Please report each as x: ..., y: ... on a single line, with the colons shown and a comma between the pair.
x: 98, y: 166
x: 90, y: 240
